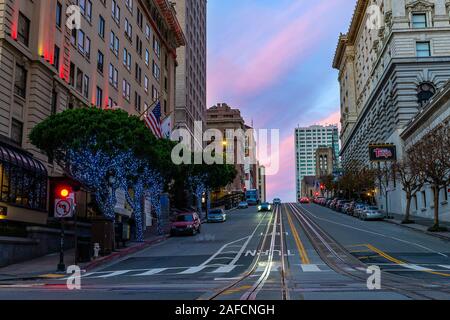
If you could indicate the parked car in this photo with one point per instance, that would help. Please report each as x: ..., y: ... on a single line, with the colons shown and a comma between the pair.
x: 243, y: 205
x: 276, y: 201
x: 333, y: 203
x: 186, y: 223
x: 371, y: 213
x: 217, y: 215
x: 304, y: 200
x: 346, y: 207
x: 340, y: 205
x: 359, y: 208
x: 265, y: 206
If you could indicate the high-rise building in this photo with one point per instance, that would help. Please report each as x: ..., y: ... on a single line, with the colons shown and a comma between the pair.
x: 262, y: 183
x: 190, y: 106
x: 123, y: 55
x: 307, y: 141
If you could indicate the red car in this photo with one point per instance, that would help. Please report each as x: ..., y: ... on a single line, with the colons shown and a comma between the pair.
x: 186, y: 223
x: 304, y: 200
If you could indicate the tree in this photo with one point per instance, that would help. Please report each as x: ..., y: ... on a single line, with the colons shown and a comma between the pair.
x: 431, y: 156
x: 89, y: 139
x: 412, y: 181
x: 96, y: 170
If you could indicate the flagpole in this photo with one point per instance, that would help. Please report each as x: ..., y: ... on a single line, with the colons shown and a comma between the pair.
x: 149, y: 107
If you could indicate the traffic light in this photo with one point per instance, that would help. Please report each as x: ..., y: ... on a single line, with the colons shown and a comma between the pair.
x: 322, y: 187
x: 63, y: 191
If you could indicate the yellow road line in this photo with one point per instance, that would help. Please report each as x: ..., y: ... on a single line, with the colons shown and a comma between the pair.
x: 399, y: 262
x: 300, y: 247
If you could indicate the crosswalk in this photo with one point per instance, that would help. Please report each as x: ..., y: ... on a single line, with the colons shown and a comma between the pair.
x: 180, y: 271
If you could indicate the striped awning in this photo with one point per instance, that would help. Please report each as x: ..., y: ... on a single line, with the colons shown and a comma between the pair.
x: 21, y: 159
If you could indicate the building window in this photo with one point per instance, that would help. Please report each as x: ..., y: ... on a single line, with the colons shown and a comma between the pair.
x: 79, y: 83
x: 54, y: 102
x: 56, y: 54
x: 86, y: 86
x: 23, y: 31
x: 24, y: 188
x: 17, y: 131
x: 101, y: 27
x: 100, y: 61
x: 58, y: 14
x: 20, y: 83
x: 419, y: 20
x: 423, y: 49
x: 99, y: 97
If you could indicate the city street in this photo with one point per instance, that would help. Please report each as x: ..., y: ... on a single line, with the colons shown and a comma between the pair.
x: 296, y: 252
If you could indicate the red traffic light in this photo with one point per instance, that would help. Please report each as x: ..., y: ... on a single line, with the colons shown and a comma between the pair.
x: 63, y: 191
x: 322, y: 186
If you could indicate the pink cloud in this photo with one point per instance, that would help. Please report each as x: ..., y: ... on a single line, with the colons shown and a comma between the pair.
x: 269, y: 61
x: 334, y: 118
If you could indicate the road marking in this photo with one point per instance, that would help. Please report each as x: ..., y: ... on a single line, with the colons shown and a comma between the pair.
x: 444, y: 266
x: 310, y: 268
x: 113, y: 274
x: 415, y: 267
x: 224, y: 269
x: 374, y: 233
x: 151, y: 272
x: 193, y: 270
x: 300, y: 247
x: 404, y: 264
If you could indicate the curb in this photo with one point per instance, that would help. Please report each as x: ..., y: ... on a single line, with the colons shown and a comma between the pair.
x: 421, y: 231
x: 123, y: 253
x: 94, y: 264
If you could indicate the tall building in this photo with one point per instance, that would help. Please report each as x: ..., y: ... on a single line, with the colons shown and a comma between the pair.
x: 388, y: 72
x: 262, y: 188
x: 392, y: 60
x: 307, y: 140
x: 222, y: 117
x: 123, y: 55
x: 190, y: 103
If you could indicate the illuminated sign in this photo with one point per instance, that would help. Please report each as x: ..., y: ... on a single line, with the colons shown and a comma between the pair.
x: 385, y: 152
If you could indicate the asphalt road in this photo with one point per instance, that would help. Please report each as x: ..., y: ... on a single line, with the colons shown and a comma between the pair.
x: 297, y: 252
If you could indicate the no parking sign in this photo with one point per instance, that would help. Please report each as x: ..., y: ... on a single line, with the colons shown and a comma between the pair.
x: 64, y: 208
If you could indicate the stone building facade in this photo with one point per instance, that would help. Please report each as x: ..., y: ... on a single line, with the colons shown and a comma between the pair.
x: 122, y: 56
x: 222, y: 117
x: 393, y: 59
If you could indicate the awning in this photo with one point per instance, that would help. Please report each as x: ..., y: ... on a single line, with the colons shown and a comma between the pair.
x: 21, y: 159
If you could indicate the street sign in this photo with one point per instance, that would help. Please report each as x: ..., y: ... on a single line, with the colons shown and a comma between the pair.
x: 382, y: 152
x: 64, y: 208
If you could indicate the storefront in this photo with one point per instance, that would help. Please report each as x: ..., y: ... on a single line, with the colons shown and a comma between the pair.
x: 23, y: 187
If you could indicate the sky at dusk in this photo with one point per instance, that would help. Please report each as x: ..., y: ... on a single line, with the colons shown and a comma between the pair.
x: 272, y: 60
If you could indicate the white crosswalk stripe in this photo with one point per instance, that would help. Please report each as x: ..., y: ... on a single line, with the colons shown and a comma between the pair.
x: 150, y: 272
x: 310, y: 268
x: 113, y: 274
x: 193, y: 270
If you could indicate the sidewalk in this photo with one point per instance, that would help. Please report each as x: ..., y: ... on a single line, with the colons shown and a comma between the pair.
x: 421, y: 224
x: 45, y: 267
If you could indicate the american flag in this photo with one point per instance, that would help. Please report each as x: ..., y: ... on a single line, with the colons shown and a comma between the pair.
x: 153, y: 121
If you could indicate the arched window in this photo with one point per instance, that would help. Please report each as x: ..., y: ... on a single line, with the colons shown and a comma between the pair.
x: 425, y: 91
